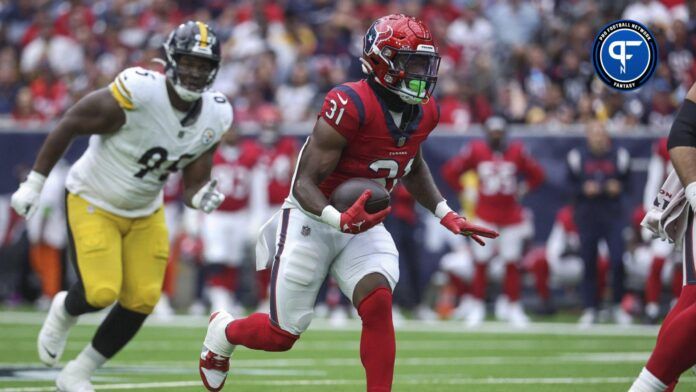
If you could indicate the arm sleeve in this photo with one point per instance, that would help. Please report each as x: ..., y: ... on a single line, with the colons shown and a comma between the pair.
x: 343, y: 110
x: 683, y: 131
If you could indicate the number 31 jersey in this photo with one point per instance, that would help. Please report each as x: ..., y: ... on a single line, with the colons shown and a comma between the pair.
x: 124, y: 172
x: 377, y: 148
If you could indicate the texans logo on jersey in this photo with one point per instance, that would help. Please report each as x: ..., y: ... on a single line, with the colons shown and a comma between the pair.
x: 374, y: 37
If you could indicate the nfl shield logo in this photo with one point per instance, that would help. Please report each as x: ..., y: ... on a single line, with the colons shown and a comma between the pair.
x: 306, y: 231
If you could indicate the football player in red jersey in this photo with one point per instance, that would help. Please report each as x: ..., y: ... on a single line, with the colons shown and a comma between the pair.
x: 277, y: 166
x: 372, y: 128
x: 658, y: 169
x: 225, y: 232
x: 498, y: 164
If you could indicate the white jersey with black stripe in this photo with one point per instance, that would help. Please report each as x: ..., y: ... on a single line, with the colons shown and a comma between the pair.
x: 124, y: 172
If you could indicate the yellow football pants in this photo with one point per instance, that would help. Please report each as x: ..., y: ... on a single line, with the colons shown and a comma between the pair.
x: 118, y: 258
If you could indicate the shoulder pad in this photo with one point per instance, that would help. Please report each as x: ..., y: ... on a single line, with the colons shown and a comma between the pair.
x: 344, y: 110
x: 132, y: 86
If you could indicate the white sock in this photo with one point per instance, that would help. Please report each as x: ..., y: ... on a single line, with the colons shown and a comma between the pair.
x: 90, y: 359
x: 647, y: 382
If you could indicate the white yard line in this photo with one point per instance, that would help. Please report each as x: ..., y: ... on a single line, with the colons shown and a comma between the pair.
x: 245, y: 365
x: 397, y: 381
x: 546, y: 328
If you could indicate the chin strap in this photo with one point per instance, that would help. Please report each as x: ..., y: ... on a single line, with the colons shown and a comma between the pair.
x: 186, y: 94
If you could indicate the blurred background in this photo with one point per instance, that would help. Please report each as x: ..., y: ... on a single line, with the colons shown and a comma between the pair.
x: 528, y: 62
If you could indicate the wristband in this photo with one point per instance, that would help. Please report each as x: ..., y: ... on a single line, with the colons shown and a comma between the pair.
x: 442, y: 209
x: 690, y: 193
x: 331, y: 216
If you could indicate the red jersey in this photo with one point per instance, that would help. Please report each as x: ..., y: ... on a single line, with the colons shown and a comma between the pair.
x: 377, y: 147
x: 498, y: 174
x: 280, y: 164
x: 232, y: 167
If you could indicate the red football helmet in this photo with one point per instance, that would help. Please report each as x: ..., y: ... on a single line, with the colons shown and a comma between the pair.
x: 401, y: 54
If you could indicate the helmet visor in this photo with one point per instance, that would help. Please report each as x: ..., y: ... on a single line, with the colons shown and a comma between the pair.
x: 418, y: 70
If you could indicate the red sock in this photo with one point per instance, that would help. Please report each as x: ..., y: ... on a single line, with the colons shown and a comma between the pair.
x: 257, y: 332
x: 512, y: 282
x: 675, y: 350
x: 677, y: 280
x: 460, y: 287
x: 654, y: 282
x: 478, y: 286
x: 377, y: 342
x: 540, y: 269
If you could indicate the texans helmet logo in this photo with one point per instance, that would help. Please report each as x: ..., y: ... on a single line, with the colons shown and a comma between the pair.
x: 374, y: 37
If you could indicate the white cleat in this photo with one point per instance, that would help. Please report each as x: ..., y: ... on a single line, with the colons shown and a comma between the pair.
x: 502, y: 308
x: 516, y: 316
x: 477, y: 313
x: 74, y: 379
x: 621, y: 317
x: 55, y: 330
x: 463, y: 309
x: 588, y: 318
x: 425, y: 313
x: 214, y: 362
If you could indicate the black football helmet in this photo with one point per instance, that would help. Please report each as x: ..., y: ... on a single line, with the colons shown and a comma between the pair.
x: 192, y: 59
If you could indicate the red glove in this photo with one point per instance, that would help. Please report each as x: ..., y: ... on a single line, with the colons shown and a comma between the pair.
x: 355, y: 219
x: 458, y: 225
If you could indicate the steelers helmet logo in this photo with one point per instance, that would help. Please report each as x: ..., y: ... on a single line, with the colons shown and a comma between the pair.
x: 624, y: 54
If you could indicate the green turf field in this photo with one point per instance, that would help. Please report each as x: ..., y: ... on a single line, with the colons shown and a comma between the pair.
x: 430, y: 357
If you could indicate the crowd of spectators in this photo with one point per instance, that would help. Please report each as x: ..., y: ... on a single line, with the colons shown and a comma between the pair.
x: 528, y: 60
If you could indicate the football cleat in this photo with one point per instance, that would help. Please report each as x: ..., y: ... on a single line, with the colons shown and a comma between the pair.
x: 516, y: 316
x: 74, y: 379
x: 502, y: 308
x: 214, y: 362
x: 588, y: 318
x: 621, y: 317
x: 55, y: 330
x: 477, y: 313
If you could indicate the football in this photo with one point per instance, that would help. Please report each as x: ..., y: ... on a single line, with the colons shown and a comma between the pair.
x: 347, y: 193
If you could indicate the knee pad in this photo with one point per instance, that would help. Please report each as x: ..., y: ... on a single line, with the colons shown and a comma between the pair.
x: 281, y: 340
x: 101, y: 297
x: 144, y: 302
x: 376, y: 306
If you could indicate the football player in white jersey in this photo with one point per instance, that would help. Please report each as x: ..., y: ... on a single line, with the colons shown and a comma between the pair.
x: 144, y: 126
